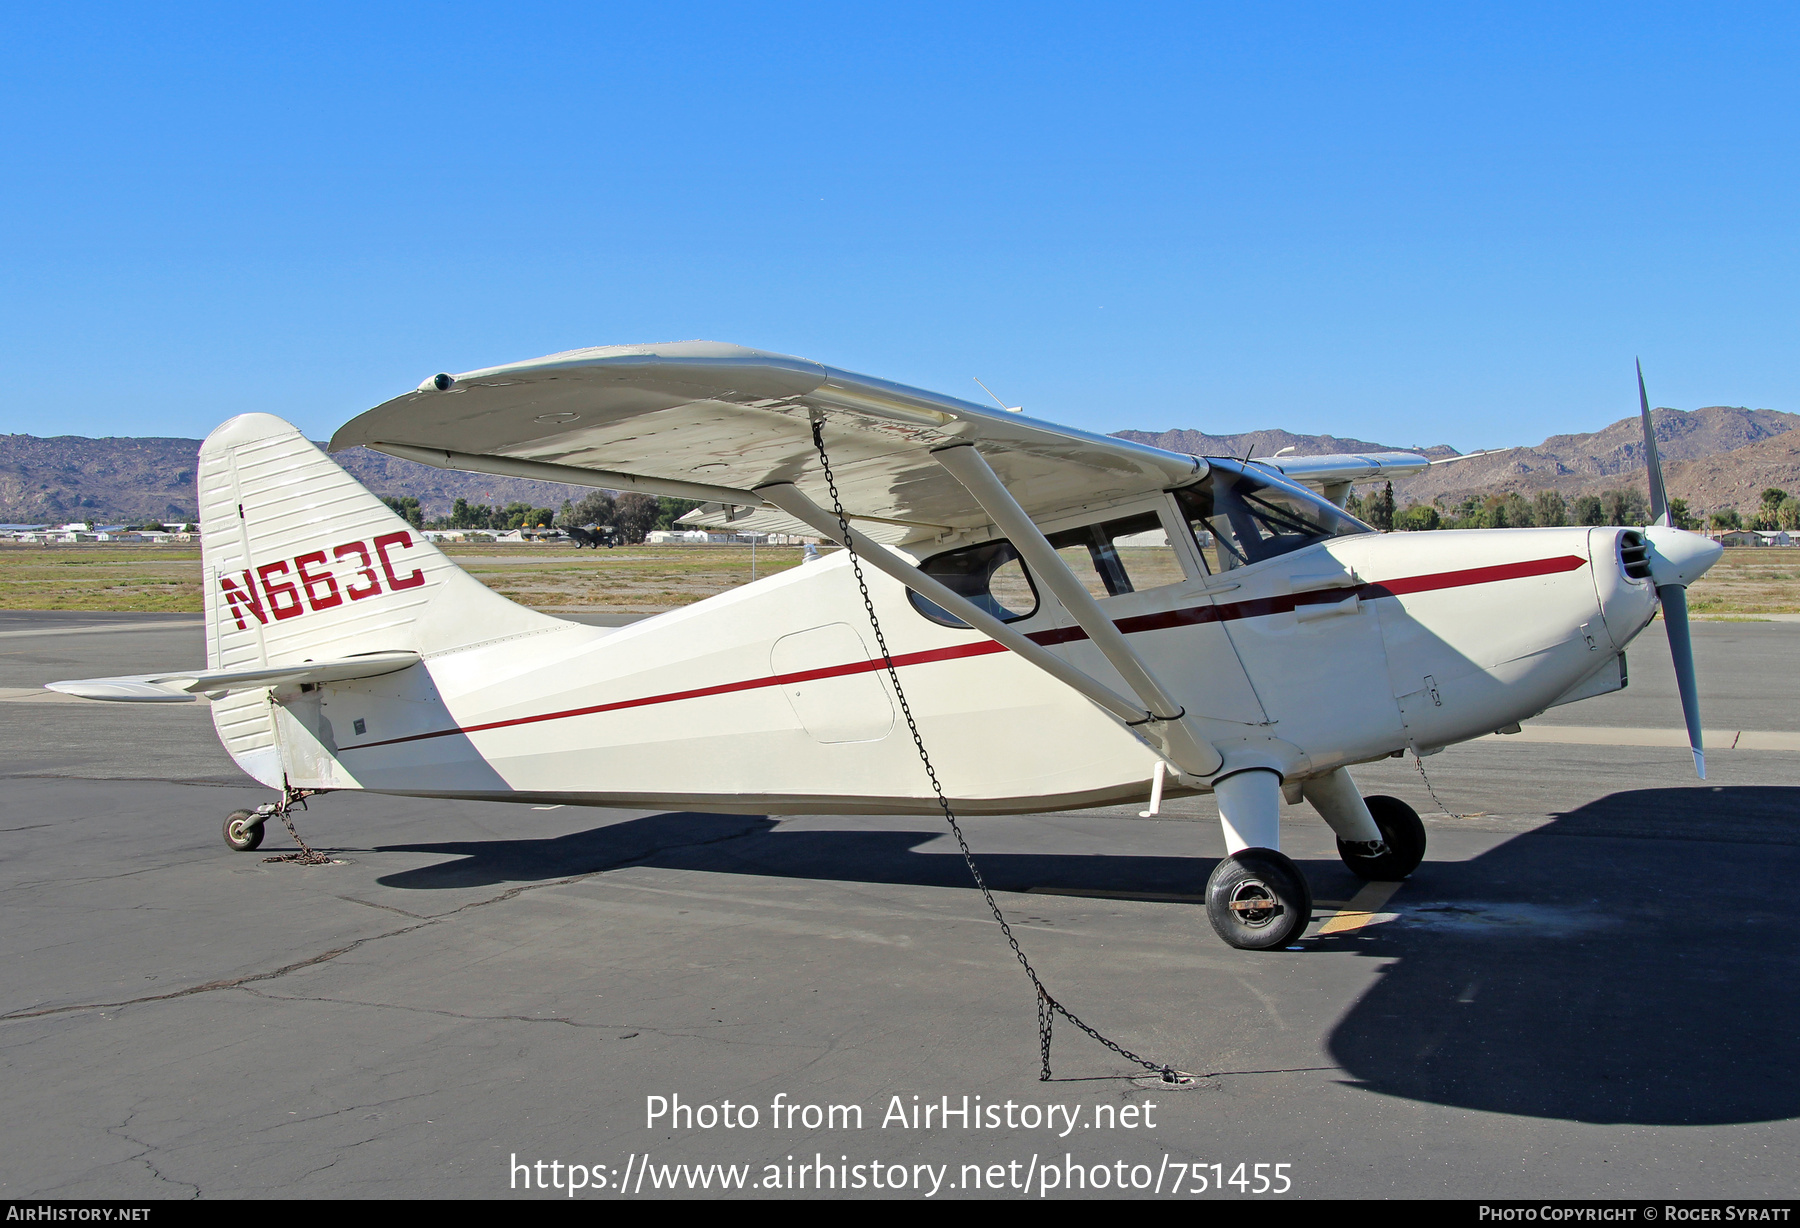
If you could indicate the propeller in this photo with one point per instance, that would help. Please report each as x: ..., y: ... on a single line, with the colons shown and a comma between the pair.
x: 1677, y: 559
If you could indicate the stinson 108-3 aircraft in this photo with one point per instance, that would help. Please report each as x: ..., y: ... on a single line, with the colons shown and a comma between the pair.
x: 1079, y: 620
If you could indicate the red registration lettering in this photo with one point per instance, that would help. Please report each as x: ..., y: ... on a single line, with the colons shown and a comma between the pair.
x: 311, y: 582
x: 291, y: 607
x: 362, y: 552
x: 404, y: 541
x: 237, y: 600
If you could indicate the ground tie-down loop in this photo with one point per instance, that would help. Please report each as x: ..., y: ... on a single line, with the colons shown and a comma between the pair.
x: 1048, y: 1007
x: 283, y: 810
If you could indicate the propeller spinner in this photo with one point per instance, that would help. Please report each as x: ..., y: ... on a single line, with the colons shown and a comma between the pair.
x: 1677, y: 559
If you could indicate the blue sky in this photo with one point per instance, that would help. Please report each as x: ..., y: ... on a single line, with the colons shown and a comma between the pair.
x: 1408, y: 223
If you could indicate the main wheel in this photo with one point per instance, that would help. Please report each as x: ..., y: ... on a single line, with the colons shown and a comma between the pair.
x: 240, y: 833
x: 1402, y: 845
x: 1257, y: 899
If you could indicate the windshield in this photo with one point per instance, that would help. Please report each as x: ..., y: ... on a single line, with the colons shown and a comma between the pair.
x: 1239, y: 518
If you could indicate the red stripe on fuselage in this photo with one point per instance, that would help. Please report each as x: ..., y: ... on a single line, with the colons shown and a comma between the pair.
x: 1192, y: 616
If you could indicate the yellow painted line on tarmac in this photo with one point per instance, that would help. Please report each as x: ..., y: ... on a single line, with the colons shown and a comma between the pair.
x: 1361, y: 909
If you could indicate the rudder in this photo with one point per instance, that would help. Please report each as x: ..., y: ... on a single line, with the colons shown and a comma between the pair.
x: 300, y: 562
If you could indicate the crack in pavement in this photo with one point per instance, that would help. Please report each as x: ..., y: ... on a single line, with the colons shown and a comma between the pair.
x: 325, y: 957
x: 122, y: 1131
x: 450, y: 1014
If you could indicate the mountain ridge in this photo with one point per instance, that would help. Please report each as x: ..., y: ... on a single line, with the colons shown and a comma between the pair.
x: 151, y: 478
x: 1574, y: 464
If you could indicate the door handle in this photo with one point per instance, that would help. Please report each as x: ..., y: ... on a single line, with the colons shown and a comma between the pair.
x: 1313, y: 612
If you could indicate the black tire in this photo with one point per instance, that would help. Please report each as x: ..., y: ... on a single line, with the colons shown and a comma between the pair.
x: 240, y: 833
x: 1253, y: 875
x: 1402, y: 838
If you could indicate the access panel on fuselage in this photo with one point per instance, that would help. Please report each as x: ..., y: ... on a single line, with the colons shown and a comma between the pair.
x: 1313, y: 649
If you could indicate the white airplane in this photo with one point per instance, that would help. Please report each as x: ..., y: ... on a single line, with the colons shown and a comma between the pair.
x: 1073, y: 620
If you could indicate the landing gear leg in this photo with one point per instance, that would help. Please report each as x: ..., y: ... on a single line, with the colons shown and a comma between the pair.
x: 1256, y: 899
x: 1380, y: 838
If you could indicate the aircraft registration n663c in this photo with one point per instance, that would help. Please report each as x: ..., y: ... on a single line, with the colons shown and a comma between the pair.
x: 1068, y: 620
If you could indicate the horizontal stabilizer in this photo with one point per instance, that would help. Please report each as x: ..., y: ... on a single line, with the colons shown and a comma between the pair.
x: 183, y: 686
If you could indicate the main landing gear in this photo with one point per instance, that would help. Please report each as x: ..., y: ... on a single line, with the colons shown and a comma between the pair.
x: 1257, y: 899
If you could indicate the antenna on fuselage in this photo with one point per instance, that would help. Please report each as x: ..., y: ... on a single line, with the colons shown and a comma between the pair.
x: 1011, y: 409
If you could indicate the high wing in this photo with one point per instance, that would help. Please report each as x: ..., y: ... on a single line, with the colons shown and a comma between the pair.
x: 182, y: 686
x: 709, y: 421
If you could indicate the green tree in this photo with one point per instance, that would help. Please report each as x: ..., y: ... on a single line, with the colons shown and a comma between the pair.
x: 1727, y: 519
x: 1382, y: 514
x: 668, y: 510
x: 407, y: 508
x: 1768, y: 515
x: 1684, y: 519
x: 514, y: 515
x: 1418, y: 518
x: 1549, y: 510
x: 634, y: 515
x: 1625, y: 507
x: 1519, y: 513
x: 596, y: 508
x: 1787, y: 516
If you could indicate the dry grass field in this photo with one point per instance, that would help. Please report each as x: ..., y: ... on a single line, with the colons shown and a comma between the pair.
x: 626, y: 580
x: 1745, y: 583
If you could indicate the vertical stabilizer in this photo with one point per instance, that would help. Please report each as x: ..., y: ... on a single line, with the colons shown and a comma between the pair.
x: 301, y: 562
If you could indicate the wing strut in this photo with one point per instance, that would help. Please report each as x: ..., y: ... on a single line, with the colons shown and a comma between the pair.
x: 1186, y: 749
x: 790, y: 499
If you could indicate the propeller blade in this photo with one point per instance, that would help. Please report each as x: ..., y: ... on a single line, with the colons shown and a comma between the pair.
x: 1659, y: 501
x: 1681, y: 648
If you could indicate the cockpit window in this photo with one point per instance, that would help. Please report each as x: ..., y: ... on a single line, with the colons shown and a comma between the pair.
x: 1119, y: 556
x: 1239, y: 518
x: 989, y: 575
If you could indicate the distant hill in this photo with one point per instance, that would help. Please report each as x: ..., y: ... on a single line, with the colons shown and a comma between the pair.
x: 1737, y: 478
x: 1267, y: 443
x: 1572, y: 464
x: 71, y: 477
x: 1714, y: 457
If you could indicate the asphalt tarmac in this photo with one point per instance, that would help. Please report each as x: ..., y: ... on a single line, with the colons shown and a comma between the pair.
x: 1588, y: 990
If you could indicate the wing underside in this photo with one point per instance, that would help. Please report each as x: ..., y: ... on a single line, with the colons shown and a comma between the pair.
x: 715, y: 422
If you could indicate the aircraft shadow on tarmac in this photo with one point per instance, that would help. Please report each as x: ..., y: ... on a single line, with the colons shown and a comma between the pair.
x: 1632, y: 961
x: 1583, y: 972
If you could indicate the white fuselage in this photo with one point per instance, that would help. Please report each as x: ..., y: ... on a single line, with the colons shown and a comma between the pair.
x: 772, y: 698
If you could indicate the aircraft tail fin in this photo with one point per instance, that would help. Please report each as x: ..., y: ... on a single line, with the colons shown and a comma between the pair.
x: 302, y: 563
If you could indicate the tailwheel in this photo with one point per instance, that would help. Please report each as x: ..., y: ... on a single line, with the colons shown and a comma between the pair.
x: 1257, y: 899
x: 1400, y: 849
x: 243, y: 831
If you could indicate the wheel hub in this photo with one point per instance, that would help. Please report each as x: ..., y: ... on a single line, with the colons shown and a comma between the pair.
x: 1253, y: 904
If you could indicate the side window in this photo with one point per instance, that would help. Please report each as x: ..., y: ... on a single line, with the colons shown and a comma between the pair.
x: 1127, y: 555
x: 989, y: 575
